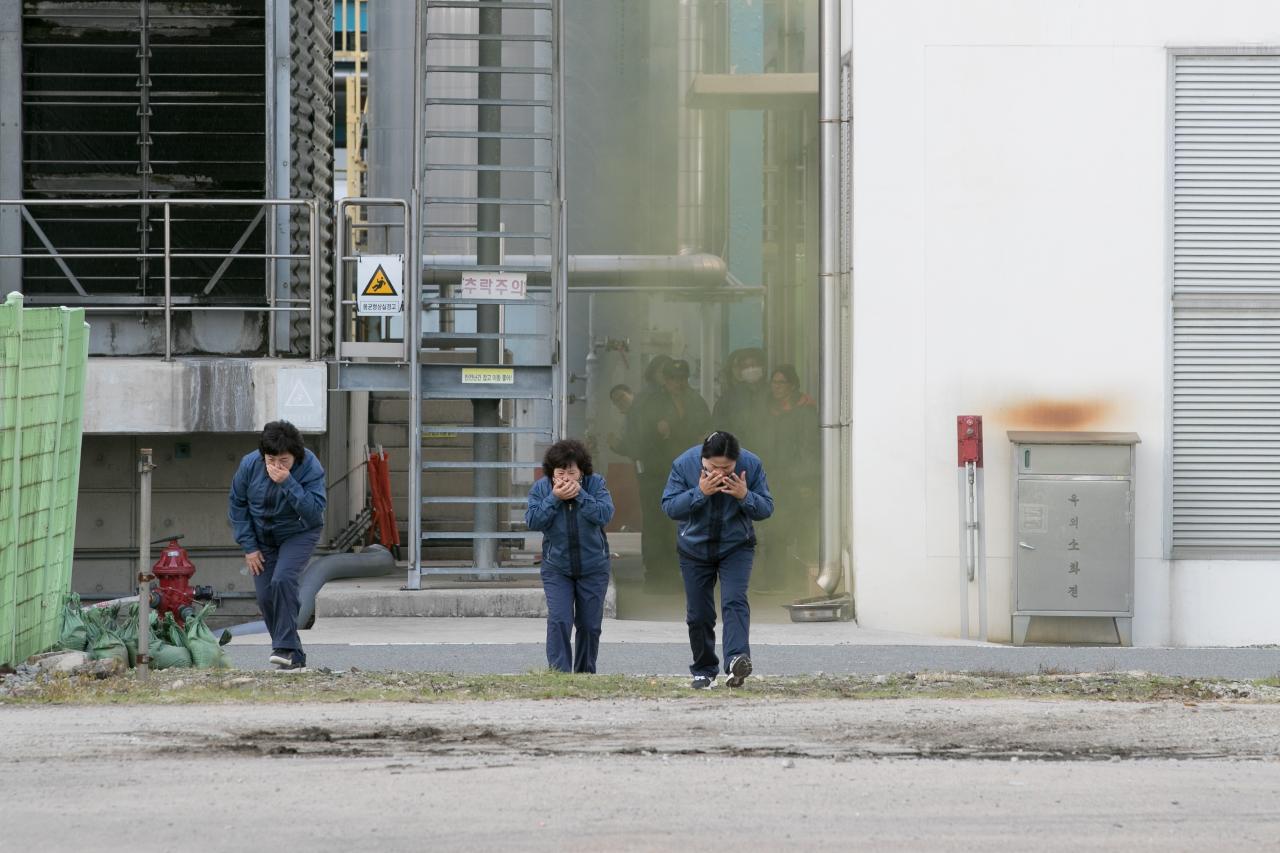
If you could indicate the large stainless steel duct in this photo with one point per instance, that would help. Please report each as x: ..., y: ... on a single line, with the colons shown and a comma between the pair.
x: 391, y: 51
x: 831, y: 370
x: 690, y: 153
x: 691, y: 172
x: 697, y: 271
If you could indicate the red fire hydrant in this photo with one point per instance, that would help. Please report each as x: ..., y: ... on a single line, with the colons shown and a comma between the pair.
x: 173, y: 573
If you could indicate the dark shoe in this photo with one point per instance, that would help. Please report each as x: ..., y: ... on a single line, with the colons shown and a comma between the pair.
x: 279, y: 657
x: 289, y: 660
x: 703, y: 682
x: 739, y: 669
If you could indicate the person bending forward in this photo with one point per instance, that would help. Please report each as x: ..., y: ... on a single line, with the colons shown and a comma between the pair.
x: 716, y: 492
x: 277, y: 512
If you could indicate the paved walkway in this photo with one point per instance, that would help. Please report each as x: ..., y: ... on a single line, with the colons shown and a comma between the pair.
x: 508, y: 645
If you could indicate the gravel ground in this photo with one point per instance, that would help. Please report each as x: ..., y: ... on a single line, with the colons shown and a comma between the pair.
x: 643, y: 774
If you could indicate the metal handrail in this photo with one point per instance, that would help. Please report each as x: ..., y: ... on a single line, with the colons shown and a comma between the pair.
x: 312, y: 258
x: 341, y: 258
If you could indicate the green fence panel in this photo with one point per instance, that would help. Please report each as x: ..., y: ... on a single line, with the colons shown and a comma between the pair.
x: 41, y: 407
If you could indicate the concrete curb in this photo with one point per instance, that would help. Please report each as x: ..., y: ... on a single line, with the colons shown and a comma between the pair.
x: 526, y: 602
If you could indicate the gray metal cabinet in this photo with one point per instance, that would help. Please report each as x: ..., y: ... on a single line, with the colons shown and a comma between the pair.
x: 1073, y: 551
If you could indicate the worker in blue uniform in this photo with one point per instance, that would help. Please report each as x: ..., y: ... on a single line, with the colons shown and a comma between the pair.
x: 571, y: 507
x: 717, y: 491
x: 277, y: 513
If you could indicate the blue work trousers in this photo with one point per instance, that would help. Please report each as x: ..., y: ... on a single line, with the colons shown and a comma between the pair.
x: 277, y: 586
x: 700, y: 576
x: 578, y: 604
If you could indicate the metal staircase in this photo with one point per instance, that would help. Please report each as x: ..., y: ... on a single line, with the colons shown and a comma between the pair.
x: 487, y: 200
x: 488, y: 129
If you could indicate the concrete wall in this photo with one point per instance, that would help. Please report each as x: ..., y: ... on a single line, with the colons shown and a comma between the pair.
x: 147, y: 395
x: 1009, y: 261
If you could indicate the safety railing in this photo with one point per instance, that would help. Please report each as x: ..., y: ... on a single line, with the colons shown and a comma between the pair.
x: 352, y: 333
x: 277, y: 262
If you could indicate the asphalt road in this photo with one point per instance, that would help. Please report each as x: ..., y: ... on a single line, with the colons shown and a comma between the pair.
x: 673, y: 659
x: 696, y: 774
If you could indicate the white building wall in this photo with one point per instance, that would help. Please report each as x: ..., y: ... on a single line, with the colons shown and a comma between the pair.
x: 1010, y: 261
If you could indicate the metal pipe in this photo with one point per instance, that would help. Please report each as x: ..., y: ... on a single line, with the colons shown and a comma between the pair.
x: 374, y: 561
x: 168, y: 285
x: 690, y: 155
x: 279, y: 152
x: 145, y: 468
x: 484, y: 446
x: 11, y: 140
x: 829, y: 341
x: 690, y: 270
x: 313, y: 208
x: 561, y: 278
x: 144, y: 140
x: 133, y: 202
x: 339, y: 272
x: 413, y: 311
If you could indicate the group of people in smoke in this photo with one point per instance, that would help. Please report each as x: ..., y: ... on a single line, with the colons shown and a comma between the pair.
x: 707, y: 481
x: 768, y: 412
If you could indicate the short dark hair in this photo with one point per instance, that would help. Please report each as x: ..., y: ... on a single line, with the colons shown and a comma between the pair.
x: 567, y: 450
x: 621, y: 386
x: 282, y: 437
x: 678, y: 370
x: 721, y: 443
x: 788, y: 372
x: 653, y: 372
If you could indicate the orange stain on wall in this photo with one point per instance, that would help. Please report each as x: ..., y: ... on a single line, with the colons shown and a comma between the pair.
x: 1051, y: 414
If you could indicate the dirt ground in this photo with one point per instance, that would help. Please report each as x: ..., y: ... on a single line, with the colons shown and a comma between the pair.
x: 715, y: 772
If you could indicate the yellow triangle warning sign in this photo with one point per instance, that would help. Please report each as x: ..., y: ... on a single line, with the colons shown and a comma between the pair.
x: 379, y: 284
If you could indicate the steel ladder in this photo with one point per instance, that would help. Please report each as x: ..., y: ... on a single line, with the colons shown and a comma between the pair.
x: 488, y: 128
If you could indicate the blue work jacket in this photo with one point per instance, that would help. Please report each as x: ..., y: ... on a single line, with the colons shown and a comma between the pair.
x: 573, y: 538
x: 263, y: 513
x: 713, y: 526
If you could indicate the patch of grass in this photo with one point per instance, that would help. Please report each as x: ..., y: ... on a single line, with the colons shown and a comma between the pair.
x: 249, y: 687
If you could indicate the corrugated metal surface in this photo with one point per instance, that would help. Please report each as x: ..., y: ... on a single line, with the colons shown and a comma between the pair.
x: 1226, y: 315
x: 41, y: 404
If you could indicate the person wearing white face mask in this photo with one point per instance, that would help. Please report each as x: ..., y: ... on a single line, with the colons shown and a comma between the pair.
x: 744, y: 401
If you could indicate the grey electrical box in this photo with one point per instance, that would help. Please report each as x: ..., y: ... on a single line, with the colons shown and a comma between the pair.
x: 1073, y: 527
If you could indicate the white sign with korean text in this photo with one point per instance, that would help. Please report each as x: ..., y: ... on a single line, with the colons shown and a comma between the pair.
x: 379, y: 285
x: 495, y: 285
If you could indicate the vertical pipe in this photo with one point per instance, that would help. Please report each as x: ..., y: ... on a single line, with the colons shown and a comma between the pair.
x: 829, y: 344
x: 595, y: 396
x: 488, y: 253
x: 413, y: 307
x: 966, y: 503
x: 11, y: 140
x: 269, y: 158
x: 313, y: 210
x: 144, y: 142
x: 144, y: 563
x: 560, y: 259
x: 339, y: 270
x: 168, y: 284
x: 710, y: 321
x: 690, y: 155
x: 690, y: 173
x: 981, y: 550
x: 278, y: 160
